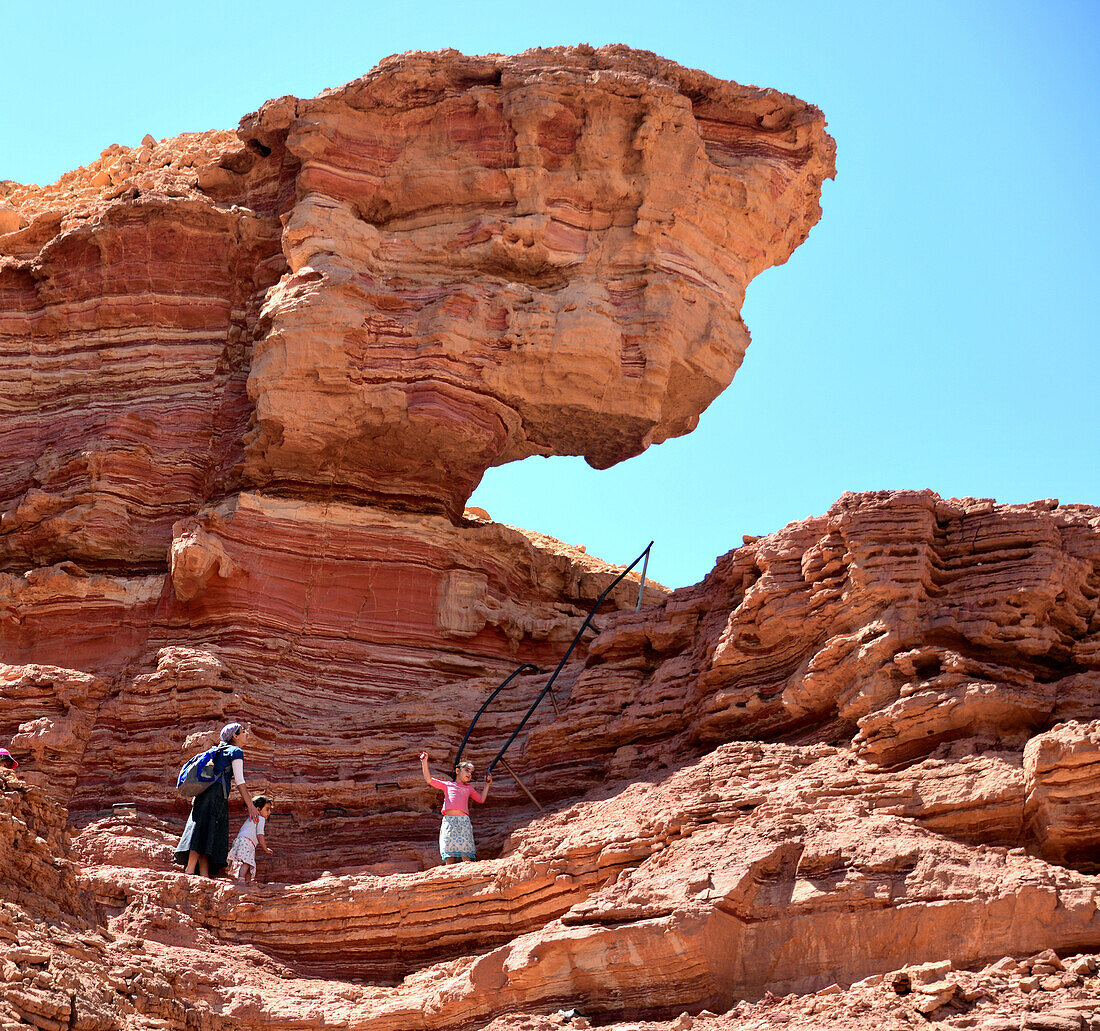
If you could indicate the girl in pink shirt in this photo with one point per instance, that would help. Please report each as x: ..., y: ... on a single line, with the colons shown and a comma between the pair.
x: 456, y: 835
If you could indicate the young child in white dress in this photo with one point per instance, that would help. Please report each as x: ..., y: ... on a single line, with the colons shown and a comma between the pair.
x: 242, y: 853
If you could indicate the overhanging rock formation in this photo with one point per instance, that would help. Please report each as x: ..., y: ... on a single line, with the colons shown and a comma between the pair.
x: 250, y: 380
x: 379, y: 293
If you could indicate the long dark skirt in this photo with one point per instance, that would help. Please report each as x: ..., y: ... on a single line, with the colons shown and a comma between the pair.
x: 207, y: 830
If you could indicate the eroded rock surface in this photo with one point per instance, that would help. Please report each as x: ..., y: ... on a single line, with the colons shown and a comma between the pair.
x: 1063, y: 782
x: 497, y: 257
x: 450, y: 263
x: 846, y: 781
x: 698, y: 825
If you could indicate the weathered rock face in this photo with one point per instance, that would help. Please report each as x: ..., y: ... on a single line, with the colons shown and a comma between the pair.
x: 478, y: 259
x: 731, y: 868
x: 899, y: 623
x: 535, y: 255
x: 128, y: 299
x: 252, y: 379
x: 38, y: 874
x: 326, y: 627
x: 1063, y: 781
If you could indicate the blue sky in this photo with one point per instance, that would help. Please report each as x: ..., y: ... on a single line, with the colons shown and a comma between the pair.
x: 938, y: 328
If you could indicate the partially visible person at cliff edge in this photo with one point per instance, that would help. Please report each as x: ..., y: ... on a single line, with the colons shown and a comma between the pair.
x: 204, y: 844
x: 7, y: 760
x: 456, y: 834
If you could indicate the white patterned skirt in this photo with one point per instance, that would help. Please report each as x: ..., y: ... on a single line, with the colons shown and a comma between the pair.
x: 242, y: 851
x: 456, y: 837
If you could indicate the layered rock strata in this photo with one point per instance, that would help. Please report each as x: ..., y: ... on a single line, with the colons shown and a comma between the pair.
x: 536, y: 255
x: 328, y: 627
x: 368, y: 296
x: 253, y: 377
x: 755, y: 872
x: 128, y: 301
x: 735, y: 869
x: 1063, y: 780
x: 470, y: 260
x: 872, y: 615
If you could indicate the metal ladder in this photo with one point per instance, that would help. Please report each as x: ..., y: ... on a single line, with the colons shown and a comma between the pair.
x: 547, y: 690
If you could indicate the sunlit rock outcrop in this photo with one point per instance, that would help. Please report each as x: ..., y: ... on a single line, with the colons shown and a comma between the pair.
x: 250, y: 380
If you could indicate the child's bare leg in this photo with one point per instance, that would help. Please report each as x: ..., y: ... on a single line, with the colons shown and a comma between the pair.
x: 451, y: 860
x: 467, y: 859
x: 251, y: 874
x: 204, y: 866
x: 192, y: 861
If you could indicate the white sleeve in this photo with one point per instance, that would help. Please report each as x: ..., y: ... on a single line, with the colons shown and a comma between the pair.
x: 238, y: 771
x: 261, y: 825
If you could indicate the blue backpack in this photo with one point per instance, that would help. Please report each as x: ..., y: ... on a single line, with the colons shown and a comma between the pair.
x: 202, y: 771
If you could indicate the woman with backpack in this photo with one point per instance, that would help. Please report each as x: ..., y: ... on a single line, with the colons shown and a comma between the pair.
x: 204, y: 843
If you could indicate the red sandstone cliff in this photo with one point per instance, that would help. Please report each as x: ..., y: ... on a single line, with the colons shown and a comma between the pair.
x: 250, y: 380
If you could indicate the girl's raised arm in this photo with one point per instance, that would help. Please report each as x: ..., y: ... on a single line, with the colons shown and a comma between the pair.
x: 424, y: 767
